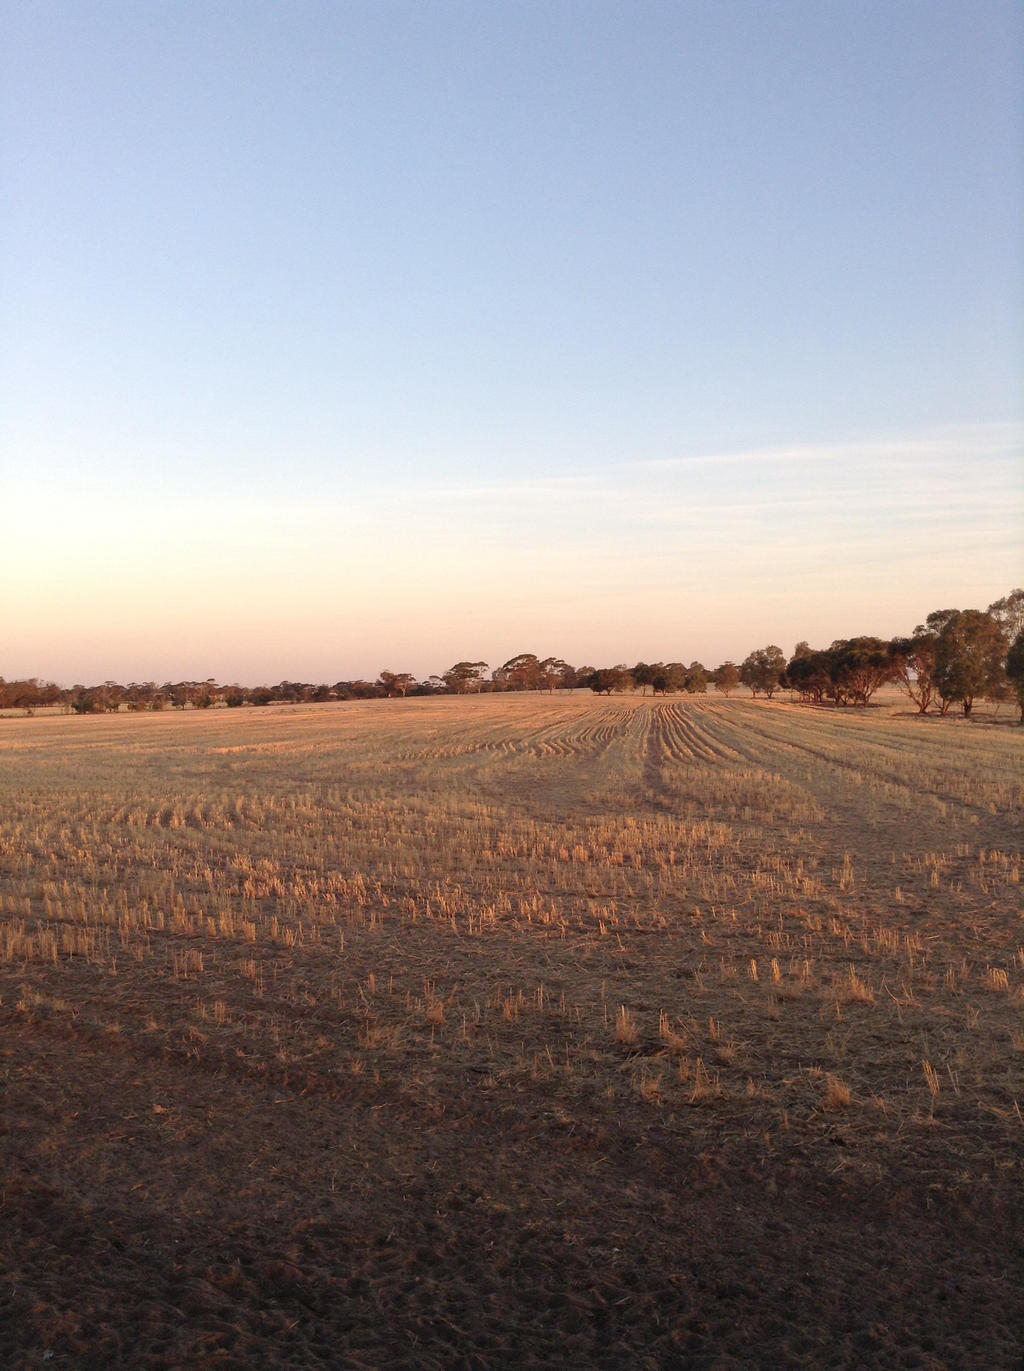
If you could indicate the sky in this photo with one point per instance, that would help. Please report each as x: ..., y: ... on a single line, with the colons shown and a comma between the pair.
x: 381, y: 334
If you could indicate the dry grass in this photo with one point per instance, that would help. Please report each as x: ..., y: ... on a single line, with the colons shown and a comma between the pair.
x: 343, y: 963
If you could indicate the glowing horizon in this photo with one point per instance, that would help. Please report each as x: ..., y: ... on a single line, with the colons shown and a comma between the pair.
x: 390, y: 584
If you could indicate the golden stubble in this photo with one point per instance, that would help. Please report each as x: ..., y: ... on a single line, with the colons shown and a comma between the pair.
x: 770, y: 909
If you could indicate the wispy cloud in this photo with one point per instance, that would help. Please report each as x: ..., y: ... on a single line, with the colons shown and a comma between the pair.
x: 947, y: 443
x: 945, y: 459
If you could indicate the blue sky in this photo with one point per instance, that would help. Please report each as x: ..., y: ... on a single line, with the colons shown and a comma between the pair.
x: 348, y: 336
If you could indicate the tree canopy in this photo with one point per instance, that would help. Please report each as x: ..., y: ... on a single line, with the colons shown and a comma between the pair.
x: 764, y: 670
x: 970, y: 652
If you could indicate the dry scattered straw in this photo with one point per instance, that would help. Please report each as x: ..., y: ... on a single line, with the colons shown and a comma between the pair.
x: 736, y: 923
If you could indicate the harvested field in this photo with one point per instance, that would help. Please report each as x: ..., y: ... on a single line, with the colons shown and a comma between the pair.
x: 509, y: 1032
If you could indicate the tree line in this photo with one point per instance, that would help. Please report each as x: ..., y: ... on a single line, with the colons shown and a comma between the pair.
x: 954, y: 658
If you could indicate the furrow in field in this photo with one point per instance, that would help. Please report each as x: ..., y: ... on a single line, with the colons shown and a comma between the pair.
x: 571, y: 736
x: 688, y: 738
x: 676, y: 739
x: 729, y: 744
x: 928, y: 771
x: 702, y: 716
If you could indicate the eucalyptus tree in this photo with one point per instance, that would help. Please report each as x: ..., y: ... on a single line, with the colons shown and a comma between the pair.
x: 465, y: 678
x: 522, y: 672
x: 1015, y: 669
x: 913, y: 665
x: 726, y: 678
x: 554, y: 673
x: 764, y: 670
x: 1009, y: 614
x: 970, y: 650
x: 608, y: 678
x: 396, y: 683
x: 810, y: 673
x: 859, y: 666
x: 644, y: 674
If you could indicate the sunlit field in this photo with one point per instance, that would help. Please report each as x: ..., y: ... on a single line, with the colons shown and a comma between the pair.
x: 512, y: 1031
